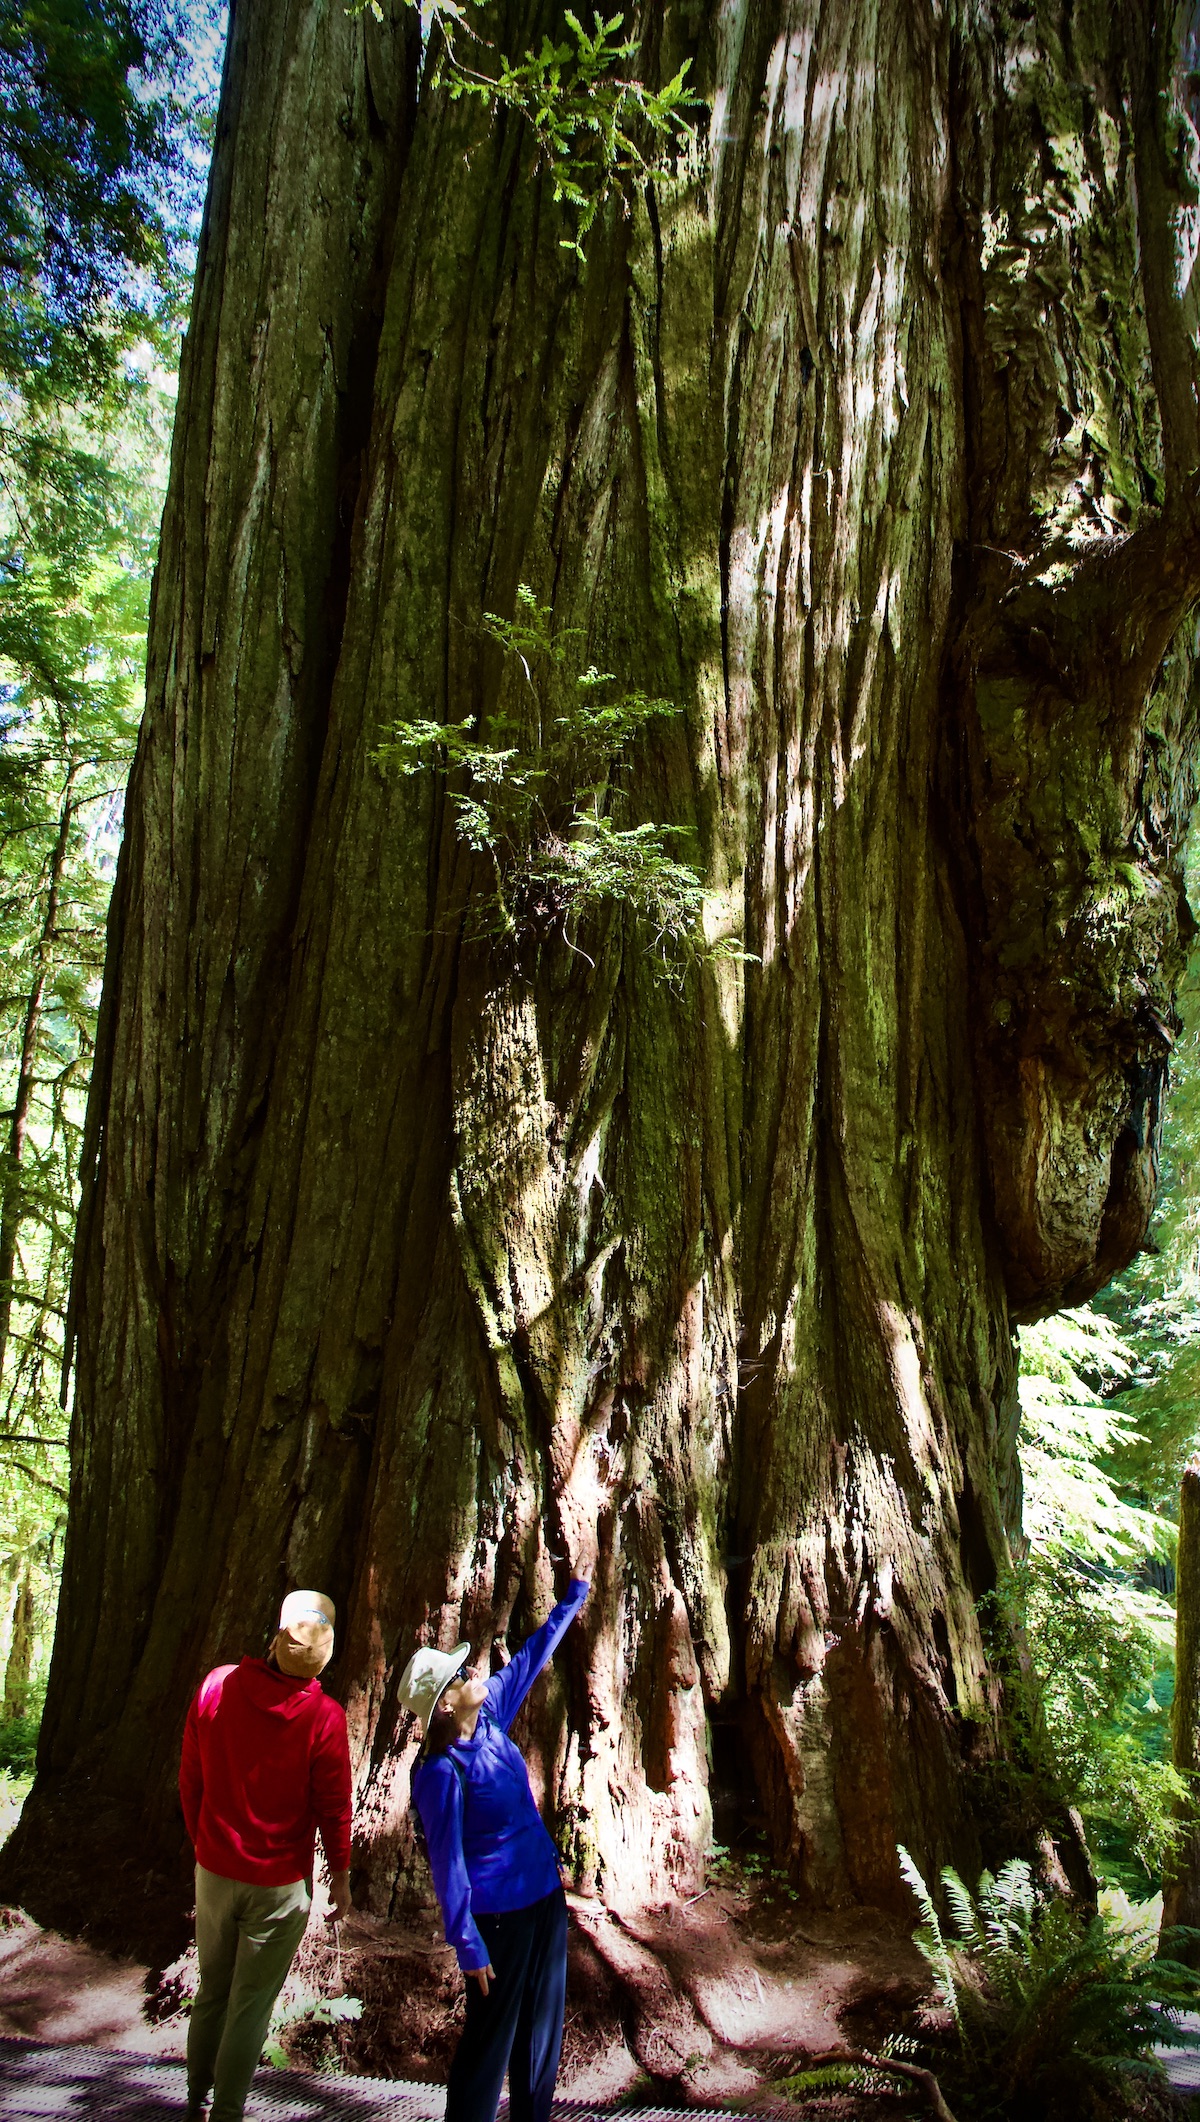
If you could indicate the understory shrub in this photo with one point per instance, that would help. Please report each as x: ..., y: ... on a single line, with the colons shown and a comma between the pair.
x: 1101, y: 1637
x: 18, y: 1745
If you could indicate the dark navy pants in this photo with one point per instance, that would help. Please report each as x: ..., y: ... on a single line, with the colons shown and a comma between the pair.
x: 518, y: 2026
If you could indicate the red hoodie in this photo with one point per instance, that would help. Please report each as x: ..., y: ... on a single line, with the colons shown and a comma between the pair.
x: 265, y: 1764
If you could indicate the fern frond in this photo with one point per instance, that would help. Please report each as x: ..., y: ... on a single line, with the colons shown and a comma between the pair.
x: 929, y: 1940
x: 962, y: 1907
x: 1014, y: 1897
x: 825, y: 2078
x: 913, y: 1879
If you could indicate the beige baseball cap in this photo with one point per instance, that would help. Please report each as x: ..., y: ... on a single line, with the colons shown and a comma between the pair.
x: 427, y: 1675
x: 303, y: 1642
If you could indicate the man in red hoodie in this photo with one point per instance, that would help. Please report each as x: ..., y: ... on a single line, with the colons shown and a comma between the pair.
x: 265, y: 1766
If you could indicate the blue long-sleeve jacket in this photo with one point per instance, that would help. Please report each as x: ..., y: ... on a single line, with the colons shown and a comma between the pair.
x: 488, y: 1846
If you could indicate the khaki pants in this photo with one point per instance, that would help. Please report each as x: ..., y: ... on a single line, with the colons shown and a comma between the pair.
x: 246, y: 1939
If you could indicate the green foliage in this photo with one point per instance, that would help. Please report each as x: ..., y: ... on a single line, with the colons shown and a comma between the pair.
x: 1156, y: 1302
x: 1070, y: 1434
x: 595, y: 128
x: 928, y: 1937
x: 823, y: 2078
x: 1111, y: 1412
x: 99, y: 162
x: 299, y: 2006
x: 1050, y: 2010
x: 540, y: 796
x: 748, y: 1865
x: 1101, y: 1638
x: 1105, y: 1705
x: 870, y: 2079
x: 74, y: 587
x: 18, y: 1742
x: 104, y: 107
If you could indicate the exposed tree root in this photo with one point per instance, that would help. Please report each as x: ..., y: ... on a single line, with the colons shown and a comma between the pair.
x: 912, y: 2072
x: 661, y: 2025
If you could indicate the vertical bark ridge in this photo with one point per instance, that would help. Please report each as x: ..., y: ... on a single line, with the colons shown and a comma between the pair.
x: 1070, y: 671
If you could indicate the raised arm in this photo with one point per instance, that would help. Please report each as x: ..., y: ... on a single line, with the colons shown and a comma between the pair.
x: 439, y: 1800
x: 507, y: 1690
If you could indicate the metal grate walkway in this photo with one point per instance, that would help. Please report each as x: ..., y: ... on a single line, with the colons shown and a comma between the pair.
x: 1182, y: 2065
x: 39, y: 2081
x: 36, y: 2080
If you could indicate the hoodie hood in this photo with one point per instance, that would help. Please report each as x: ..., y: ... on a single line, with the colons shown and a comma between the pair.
x: 275, y: 1692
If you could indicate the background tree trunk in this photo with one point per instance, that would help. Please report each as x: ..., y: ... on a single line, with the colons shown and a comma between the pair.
x: 19, y: 1662
x: 12, y: 1202
x: 405, y: 1263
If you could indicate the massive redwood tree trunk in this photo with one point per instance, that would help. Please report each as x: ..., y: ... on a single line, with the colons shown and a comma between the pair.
x: 869, y: 437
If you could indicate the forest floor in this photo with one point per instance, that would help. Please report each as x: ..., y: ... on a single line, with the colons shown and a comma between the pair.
x: 701, y: 2006
x: 708, y: 2004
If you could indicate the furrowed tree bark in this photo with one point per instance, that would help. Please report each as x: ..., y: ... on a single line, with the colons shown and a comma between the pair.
x: 1181, y: 1872
x: 407, y: 1261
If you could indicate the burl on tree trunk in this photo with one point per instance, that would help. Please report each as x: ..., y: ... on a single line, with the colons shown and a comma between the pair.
x: 867, y: 436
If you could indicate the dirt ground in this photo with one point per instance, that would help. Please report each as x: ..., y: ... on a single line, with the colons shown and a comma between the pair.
x: 708, y: 2004
x: 53, y: 1989
x: 699, y: 2005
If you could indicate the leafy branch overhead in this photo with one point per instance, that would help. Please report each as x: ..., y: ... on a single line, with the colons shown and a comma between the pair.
x: 539, y: 794
x: 596, y: 128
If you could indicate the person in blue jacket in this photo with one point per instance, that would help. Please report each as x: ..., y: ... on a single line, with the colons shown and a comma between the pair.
x: 496, y: 1871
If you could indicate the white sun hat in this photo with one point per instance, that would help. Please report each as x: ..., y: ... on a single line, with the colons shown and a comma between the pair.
x: 308, y: 1606
x: 303, y: 1642
x: 427, y: 1675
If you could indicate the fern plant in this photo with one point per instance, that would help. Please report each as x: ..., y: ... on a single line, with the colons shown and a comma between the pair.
x: 1102, y: 1640
x: 300, y: 2003
x: 1054, y: 2016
